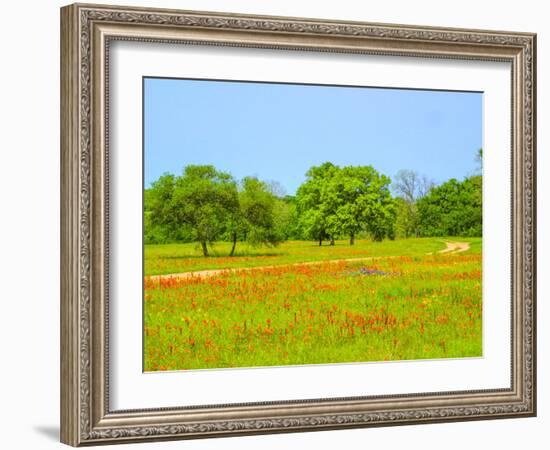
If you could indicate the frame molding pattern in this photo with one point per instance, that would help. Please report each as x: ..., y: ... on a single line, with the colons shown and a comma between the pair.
x: 85, y: 226
x: 306, y: 423
x: 77, y: 391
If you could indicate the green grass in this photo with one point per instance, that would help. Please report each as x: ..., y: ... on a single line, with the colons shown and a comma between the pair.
x: 412, y: 306
x: 179, y: 258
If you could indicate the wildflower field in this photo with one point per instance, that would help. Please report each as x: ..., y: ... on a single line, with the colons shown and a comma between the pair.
x: 300, y: 303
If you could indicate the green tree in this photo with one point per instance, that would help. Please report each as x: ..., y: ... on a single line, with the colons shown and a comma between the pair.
x: 158, y: 228
x: 313, y: 210
x: 408, y: 187
x: 452, y: 209
x: 161, y: 233
x: 361, y: 201
x: 286, y: 218
x: 336, y: 201
x: 255, y: 218
x: 202, y: 199
x: 406, y: 220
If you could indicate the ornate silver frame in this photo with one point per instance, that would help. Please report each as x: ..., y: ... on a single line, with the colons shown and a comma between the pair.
x: 86, y: 31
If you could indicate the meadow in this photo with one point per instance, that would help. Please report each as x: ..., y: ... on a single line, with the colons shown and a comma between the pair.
x: 300, y: 303
x: 178, y: 258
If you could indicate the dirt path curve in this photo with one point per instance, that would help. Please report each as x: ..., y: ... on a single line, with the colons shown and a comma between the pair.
x: 455, y: 247
x: 211, y: 272
x: 452, y: 248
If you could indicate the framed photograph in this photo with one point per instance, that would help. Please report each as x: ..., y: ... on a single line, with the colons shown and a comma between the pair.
x: 275, y: 224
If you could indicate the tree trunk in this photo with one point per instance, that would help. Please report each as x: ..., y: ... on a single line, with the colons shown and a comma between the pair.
x: 320, y: 242
x: 204, y: 248
x: 332, y: 240
x: 234, y: 244
x: 352, y: 239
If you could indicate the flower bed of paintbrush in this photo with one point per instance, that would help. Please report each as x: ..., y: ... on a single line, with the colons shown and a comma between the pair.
x: 391, y: 308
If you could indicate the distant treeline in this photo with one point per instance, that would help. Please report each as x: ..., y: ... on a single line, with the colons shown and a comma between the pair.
x: 205, y: 205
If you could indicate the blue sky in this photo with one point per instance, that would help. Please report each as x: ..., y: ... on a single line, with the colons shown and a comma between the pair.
x: 278, y: 131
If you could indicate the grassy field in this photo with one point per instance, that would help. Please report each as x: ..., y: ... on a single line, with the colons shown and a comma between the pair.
x: 408, y: 303
x: 179, y: 258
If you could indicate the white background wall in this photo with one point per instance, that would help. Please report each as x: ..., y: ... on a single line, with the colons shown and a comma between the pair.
x: 29, y: 222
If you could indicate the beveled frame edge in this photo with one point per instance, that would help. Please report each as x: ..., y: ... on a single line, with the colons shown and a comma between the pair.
x: 85, y: 33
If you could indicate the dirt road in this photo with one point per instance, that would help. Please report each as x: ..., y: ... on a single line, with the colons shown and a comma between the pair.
x: 455, y: 247
x: 452, y: 248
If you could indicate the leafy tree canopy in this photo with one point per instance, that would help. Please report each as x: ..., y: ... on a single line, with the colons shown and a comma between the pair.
x: 452, y: 209
x: 336, y: 201
x: 254, y: 220
x: 202, y: 199
x: 205, y: 205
